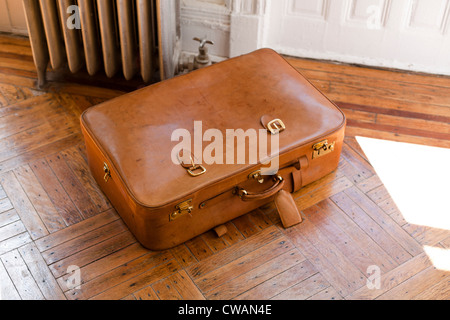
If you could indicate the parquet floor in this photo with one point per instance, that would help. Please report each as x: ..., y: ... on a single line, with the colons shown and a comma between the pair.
x: 56, y: 226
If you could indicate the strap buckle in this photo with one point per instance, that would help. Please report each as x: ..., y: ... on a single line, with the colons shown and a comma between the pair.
x: 193, y: 169
x: 276, y: 126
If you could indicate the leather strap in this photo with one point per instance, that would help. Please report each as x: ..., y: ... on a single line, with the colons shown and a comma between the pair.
x: 297, y: 178
x: 304, y: 163
x: 254, y: 196
x: 287, y: 209
x: 265, y: 119
x: 221, y: 230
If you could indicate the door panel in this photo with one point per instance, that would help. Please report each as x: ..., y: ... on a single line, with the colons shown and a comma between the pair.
x: 405, y: 34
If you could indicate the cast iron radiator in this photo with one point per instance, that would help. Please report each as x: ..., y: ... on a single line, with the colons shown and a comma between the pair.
x: 94, y: 34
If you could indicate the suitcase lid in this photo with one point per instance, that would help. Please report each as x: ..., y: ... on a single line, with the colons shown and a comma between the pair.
x: 135, y: 131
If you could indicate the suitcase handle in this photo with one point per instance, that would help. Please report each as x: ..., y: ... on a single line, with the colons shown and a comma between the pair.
x: 253, y: 196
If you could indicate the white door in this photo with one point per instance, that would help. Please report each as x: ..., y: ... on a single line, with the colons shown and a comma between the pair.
x: 12, y: 18
x: 405, y: 34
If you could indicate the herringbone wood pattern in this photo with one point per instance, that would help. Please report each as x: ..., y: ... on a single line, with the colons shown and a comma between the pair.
x: 53, y: 216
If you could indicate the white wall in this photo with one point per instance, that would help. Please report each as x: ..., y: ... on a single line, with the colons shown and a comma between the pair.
x: 12, y: 17
x: 234, y: 25
x: 206, y: 18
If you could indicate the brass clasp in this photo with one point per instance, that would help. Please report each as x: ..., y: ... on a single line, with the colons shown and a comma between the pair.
x: 182, y: 209
x: 193, y: 169
x: 257, y: 176
x: 322, y: 148
x: 276, y: 126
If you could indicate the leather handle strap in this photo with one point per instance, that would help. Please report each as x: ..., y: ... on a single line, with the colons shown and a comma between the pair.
x: 254, y: 196
x: 287, y: 209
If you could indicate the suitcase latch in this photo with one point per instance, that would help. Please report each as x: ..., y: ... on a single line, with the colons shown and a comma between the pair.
x: 182, y: 209
x: 323, y: 148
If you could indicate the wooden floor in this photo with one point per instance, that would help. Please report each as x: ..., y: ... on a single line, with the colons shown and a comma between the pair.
x: 55, y: 224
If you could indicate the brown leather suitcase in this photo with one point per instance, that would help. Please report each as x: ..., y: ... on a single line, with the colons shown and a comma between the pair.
x: 144, y: 147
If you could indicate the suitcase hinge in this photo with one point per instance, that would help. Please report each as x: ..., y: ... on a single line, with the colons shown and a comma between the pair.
x: 182, y: 209
x: 107, y: 172
x: 256, y: 176
x: 323, y: 148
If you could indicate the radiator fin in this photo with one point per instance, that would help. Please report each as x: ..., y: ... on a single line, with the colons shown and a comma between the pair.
x: 127, y: 33
x: 71, y: 38
x: 145, y: 21
x: 90, y: 36
x: 108, y: 35
x: 53, y: 33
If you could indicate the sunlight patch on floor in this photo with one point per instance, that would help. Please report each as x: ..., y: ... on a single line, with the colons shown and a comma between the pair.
x: 417, y: 178
x: 439, y: 257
